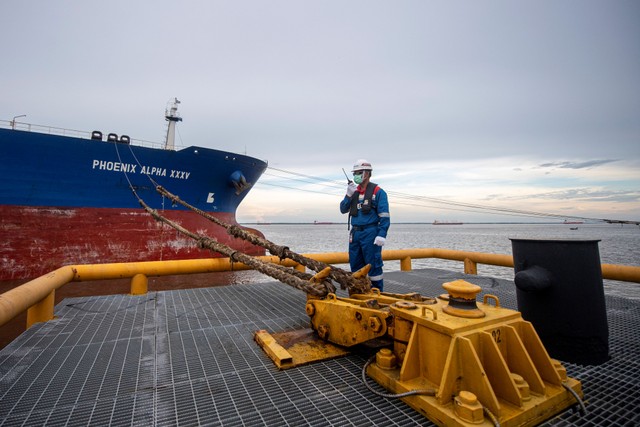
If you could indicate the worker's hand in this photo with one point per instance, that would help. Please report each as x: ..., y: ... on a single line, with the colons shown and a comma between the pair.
x: 379, y: 241
x: 351, y: 188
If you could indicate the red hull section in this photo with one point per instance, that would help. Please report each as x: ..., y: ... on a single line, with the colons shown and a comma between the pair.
x: 34, y: 240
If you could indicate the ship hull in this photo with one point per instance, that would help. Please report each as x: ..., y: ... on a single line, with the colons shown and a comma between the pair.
x: 67, y: 200
x: 45, y: 238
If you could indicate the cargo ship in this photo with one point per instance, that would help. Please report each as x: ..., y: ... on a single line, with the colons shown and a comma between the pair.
x: 71, y: 197
x: 436, y: 222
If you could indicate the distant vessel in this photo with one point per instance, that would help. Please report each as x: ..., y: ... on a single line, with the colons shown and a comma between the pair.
x: 566, y: 221
x: 436, y: 222
x: 322, y: 222
x: 66, y: 197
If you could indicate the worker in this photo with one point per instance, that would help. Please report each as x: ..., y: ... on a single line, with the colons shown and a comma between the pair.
x: 368, y: 209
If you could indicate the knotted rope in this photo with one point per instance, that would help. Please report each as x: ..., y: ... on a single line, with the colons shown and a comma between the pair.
x: 313, y: 285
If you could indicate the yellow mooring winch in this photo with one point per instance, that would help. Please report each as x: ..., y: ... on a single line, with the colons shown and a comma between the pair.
x: 457, y: 362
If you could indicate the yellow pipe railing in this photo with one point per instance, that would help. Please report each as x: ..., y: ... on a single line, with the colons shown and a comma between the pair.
x: 37, y: 296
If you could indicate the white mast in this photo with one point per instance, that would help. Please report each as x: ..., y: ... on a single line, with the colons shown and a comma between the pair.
x: 171, y: 115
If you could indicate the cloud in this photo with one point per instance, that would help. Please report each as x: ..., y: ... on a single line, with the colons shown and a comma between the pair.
x: 577, y: 165
x: 458, y: 102
x: 591, y: 195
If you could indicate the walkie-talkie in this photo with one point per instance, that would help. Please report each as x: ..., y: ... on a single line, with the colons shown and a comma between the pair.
x: 345, y: 174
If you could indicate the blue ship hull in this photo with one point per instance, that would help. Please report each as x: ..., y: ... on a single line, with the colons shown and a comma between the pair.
x: 51, y: 170
x: 69, y: 200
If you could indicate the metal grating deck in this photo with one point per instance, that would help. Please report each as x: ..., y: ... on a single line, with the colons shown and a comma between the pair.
x: 187, y: 357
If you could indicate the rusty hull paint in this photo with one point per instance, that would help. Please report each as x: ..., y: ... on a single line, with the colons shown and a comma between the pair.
x: 34, y: 241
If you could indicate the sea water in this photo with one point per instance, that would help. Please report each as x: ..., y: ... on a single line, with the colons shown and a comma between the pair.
x: 618, y: 244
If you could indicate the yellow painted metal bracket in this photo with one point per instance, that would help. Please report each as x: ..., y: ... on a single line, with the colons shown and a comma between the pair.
x: 280, y: 356
x: 482, y: 364
x: 347, y: 322
x: 296, y: 348
x: 490, y: 364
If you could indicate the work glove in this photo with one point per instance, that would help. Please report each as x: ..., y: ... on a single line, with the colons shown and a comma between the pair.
x: 351, y: 188
x: 379, y: 241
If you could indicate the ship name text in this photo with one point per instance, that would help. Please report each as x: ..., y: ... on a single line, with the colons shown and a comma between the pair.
x: 144, y: 170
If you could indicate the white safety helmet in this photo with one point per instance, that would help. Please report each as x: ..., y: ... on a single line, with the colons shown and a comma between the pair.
x: 362, y: 165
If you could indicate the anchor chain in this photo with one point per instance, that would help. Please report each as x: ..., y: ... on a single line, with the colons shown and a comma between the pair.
x: 355, y: 284
x: 313, y: 285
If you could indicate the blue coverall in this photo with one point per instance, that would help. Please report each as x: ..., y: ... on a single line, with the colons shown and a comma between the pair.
x: 364, y: 229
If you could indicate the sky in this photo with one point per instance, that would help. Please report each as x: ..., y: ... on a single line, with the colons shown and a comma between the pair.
x: 514, y: 105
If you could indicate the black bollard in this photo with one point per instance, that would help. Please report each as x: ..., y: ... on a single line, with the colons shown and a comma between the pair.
x: 559, y: 290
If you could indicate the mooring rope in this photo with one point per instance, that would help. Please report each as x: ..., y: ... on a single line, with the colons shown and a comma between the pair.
x: 355, y: 283
x: 346, y: 280
x: 296, y: 279
x: 135, y: 193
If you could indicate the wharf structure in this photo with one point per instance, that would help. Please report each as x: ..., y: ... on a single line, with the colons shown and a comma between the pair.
x: 188, y: 357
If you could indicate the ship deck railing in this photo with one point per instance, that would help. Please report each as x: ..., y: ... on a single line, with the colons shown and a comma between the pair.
x: 37, y: 297
x: 72, y: 133
x: 188, y: 356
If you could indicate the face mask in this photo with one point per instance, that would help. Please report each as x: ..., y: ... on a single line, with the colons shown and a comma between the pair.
x: 357, y: 179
